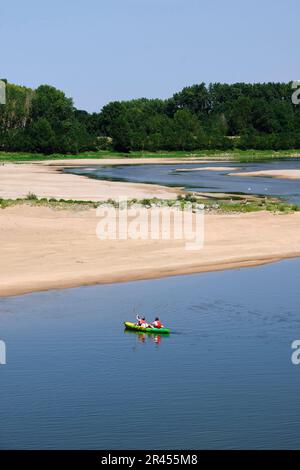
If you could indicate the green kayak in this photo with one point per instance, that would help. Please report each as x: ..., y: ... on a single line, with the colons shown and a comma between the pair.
x: 134, y: 327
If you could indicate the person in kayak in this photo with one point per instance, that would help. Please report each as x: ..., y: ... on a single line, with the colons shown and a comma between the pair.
x: 141, y: 321
x: 156, y: 323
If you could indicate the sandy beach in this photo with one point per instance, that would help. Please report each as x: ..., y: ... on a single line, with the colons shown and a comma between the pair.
x: 50, y: 248
x: 75, y: 162
x: 44, y: 180
x: 44, y: 248
x: 284, y: 174
x: 207, y: 168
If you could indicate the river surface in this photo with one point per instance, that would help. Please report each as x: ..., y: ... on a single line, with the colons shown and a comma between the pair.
x: 224, y: 379
x: 208, y: 181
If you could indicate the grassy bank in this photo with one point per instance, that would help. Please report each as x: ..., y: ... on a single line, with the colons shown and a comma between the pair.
x: 230, y: 155
x: 230, y: 204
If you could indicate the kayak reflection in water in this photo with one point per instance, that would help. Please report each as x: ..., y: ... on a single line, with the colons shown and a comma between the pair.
x: 143, y: 338
x: 156, y: 339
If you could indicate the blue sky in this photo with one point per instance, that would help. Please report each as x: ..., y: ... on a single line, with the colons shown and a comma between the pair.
x: 103, y: 50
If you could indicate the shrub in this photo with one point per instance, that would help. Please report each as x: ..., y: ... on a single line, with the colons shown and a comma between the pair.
x: 31, y: 196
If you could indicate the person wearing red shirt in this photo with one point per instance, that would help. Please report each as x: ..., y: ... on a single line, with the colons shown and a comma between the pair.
x: 156, y: 323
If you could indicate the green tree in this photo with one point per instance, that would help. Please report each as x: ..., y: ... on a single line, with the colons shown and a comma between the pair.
x: 42, y: 137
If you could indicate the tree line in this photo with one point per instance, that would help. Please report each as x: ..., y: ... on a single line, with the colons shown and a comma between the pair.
x: 217, y: 116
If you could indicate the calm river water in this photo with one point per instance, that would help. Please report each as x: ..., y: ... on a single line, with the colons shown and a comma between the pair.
x: 223, y: 379
x: 210, y: 181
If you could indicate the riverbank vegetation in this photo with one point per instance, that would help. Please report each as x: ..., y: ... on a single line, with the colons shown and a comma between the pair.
x: 214, y: 118
x: 210, y: 203
x: 213, y: 155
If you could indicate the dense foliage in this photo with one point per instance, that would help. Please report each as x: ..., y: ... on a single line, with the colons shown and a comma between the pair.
x: 220, y: 116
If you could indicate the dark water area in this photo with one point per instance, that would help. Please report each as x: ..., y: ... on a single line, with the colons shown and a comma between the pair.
x: 205, y: 181
x: 223, y: 379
